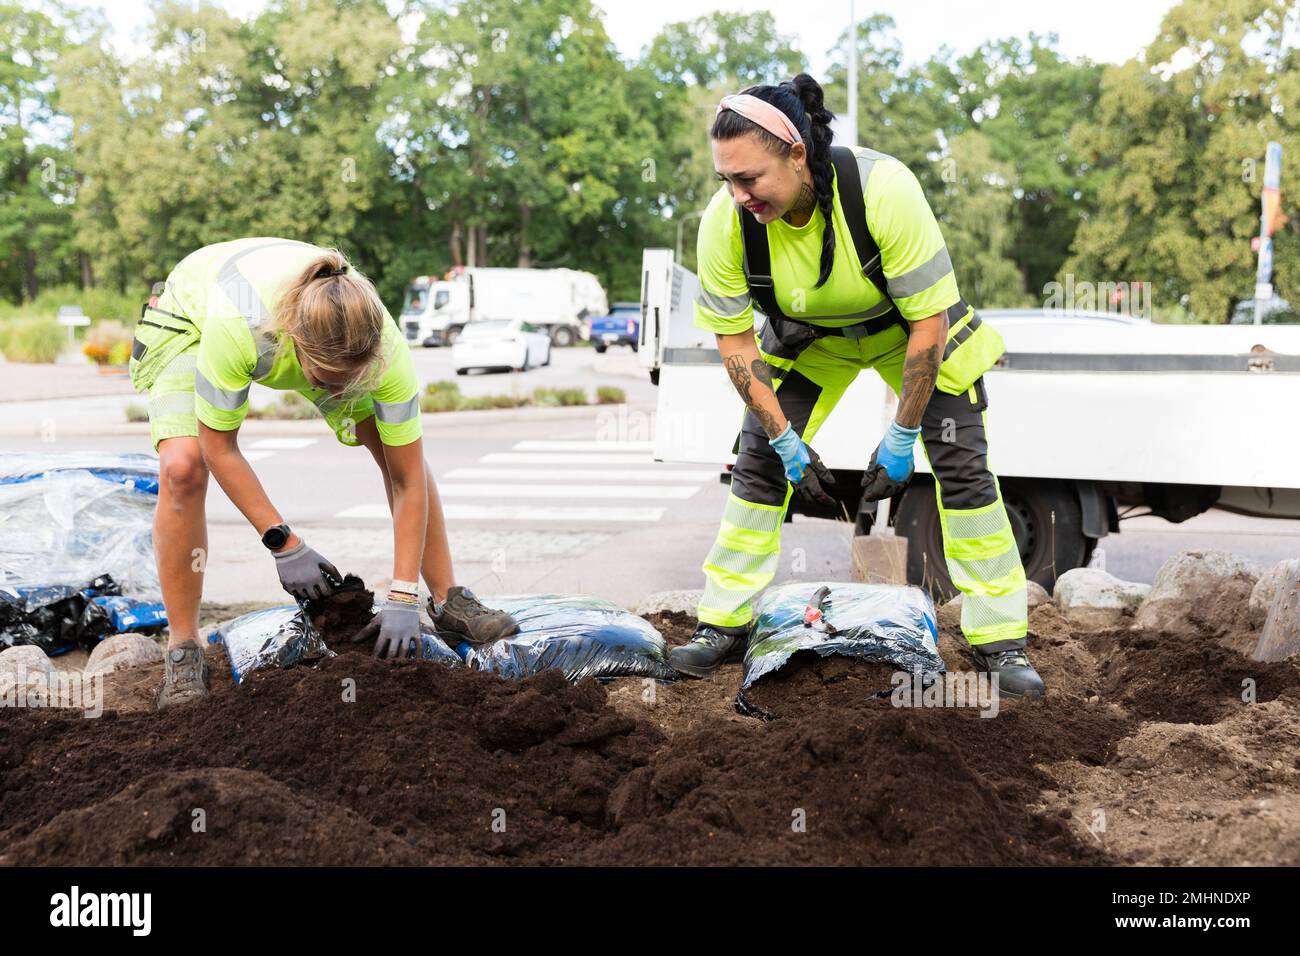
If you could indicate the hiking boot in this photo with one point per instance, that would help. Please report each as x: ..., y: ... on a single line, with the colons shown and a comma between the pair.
x: 462, y: 614
x: 709, y: 649
x: 185, y: 676
x: 1016, y: 676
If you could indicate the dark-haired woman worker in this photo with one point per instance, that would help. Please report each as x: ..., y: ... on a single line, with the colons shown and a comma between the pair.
x: 829, y: 317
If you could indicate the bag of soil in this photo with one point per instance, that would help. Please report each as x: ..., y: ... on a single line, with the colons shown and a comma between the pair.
x: 59, y: 617
x: 272, y: 637
x: 579, y: 635
x: 884, y: 623
x: 284, y: 636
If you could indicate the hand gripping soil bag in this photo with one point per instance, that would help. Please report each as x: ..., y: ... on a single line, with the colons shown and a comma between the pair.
x: 284, y: 636
x: 66, y: 519
x: 579, y: 635
x: 884, y: 623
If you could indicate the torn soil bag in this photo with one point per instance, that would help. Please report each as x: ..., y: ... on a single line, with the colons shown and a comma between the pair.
x: 579, y: 635
x: 272, y: 637
x: 59, y: 617
x: 284, y: 636
x: 884, y: 623
x: 67, y: 519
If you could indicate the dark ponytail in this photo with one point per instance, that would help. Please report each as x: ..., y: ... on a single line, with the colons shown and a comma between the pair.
x: 801, y: 99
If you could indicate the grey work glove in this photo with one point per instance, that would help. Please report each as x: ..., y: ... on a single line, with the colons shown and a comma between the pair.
x: 396, y: 630
x: 306, y: 574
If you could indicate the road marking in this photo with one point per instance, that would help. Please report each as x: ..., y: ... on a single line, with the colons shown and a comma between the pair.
x: 252, y: 456
x: 667, y: 473
x: 282, y: 444
x: 561, y: 458
x: 519, y: 513
x: 576, y: 492
x: 585, y: 445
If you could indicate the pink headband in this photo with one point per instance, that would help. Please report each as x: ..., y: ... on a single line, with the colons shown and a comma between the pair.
x: 764, y: 114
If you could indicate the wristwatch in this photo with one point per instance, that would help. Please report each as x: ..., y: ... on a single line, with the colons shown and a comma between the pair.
x: 276, y: 537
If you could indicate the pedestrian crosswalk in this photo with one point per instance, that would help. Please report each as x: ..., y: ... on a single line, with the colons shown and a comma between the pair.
x: 266, y: 447
x: 561, y: 480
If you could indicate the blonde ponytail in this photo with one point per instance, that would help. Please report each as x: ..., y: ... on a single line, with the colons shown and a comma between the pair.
x: 335, y: 318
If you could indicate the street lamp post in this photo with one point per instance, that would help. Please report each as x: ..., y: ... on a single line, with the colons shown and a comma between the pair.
x: 852, y: 55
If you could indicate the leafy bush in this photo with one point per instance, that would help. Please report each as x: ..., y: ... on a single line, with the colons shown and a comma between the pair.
x: 137, y: 412
x: 99, y: 304
x: 108, y: 343
x: 32, y: 340
x: 559, y: 396
x: 610, y: 395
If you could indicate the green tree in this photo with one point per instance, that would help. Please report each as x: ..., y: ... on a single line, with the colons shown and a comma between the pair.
x: 1178, y: 143
x: 36, y: 184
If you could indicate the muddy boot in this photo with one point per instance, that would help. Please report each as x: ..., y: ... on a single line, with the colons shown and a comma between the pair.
x: 709, y: 649
x: 463, y: 615
x: 1016, y: 676
x: 185, y: 676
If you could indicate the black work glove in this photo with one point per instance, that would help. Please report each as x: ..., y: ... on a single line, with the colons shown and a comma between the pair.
x: 816, y: 479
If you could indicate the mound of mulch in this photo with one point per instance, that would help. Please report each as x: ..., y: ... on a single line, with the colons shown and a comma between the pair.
x: 357, y: 760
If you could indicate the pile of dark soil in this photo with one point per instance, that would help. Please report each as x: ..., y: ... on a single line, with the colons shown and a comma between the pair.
x: 1184, y: 679
x: 808, y: 683
x: 364, y: 761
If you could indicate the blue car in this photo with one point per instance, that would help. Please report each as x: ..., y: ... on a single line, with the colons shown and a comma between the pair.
x: 621, y: 327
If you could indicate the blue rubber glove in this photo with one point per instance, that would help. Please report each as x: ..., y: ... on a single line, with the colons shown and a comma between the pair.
x: 895, y: 451
x: 793, y: 452
x: 891, y: 463
x: 803, y: 468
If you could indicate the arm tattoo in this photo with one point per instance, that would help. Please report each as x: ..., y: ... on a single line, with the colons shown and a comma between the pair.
x: 741, y: 378
x: 919, y: 374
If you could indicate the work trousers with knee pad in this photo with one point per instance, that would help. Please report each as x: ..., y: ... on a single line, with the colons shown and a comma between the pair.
x: 979, y: 548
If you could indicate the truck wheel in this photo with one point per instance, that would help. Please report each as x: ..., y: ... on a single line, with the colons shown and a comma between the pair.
x: 562, y: 336
x: 1045, y: 520
x: 453, y: 334
x: 600, y: 349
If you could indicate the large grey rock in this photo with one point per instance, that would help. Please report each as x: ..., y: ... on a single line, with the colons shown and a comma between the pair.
x: 1036, y: 592
x: 122, y: 651
x: 1199, y: 591
x: 1094, y: 598
x: 683, y: 601
x: 1265, y: 590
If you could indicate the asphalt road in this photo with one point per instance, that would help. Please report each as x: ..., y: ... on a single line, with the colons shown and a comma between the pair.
x: 561, y: 501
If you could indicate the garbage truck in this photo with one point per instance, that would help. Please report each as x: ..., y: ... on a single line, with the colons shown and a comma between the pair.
x: 1095, y: 417
x: 435, y: 310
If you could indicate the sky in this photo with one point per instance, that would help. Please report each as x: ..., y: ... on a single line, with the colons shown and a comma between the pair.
x: 1104, y: 31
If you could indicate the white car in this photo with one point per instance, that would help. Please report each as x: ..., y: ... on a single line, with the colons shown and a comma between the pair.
x: 501, y: 343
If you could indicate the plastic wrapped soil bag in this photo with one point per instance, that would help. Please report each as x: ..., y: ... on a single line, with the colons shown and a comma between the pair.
x: 272, y: 637
x: 284, y: 636
x: 70, y: 518
x: 58, y: 617
x: 882, y: 623
x: 579, y: 635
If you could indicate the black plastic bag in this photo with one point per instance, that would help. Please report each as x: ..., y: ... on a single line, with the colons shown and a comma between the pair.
x: 580, y: 635
x: 59, y: 617
x: 886, y: 623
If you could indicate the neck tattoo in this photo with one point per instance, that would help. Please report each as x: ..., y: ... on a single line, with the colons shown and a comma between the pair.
x: 804, y: 203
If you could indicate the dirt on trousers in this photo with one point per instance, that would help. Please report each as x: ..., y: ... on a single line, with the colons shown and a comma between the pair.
x: 1143, y: 752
